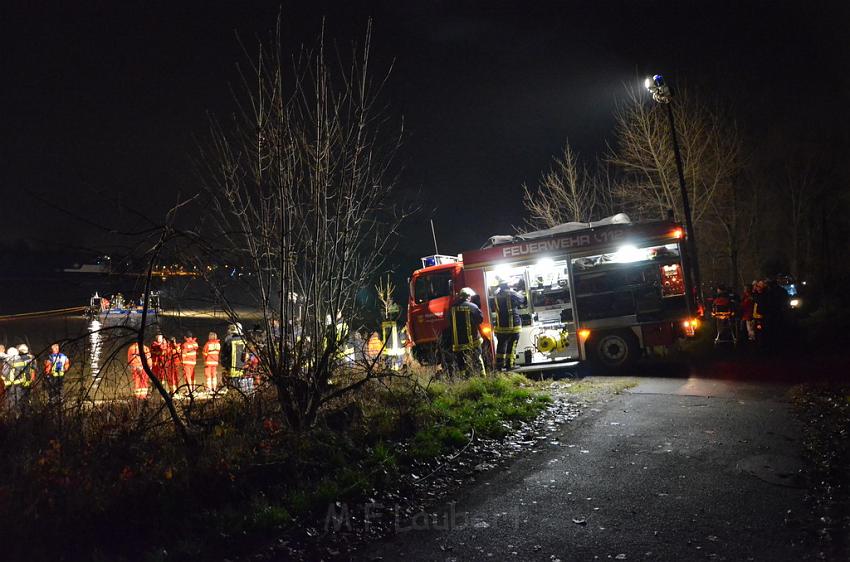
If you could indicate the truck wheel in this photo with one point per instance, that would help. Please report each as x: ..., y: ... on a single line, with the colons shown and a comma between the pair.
x: 614, y: 351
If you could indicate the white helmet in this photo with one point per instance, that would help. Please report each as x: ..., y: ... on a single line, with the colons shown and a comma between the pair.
x: 235, y: 328
x: 466, y: 293
x: 12, y: 351
x: 23, y: 349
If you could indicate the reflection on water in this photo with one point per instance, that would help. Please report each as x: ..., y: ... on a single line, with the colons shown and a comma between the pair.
x: 95, y: 347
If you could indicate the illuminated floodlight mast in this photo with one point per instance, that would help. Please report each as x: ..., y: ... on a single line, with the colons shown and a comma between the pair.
x: 661, y: 93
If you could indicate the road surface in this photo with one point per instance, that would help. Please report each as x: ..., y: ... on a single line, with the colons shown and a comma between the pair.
x: 673, y: 469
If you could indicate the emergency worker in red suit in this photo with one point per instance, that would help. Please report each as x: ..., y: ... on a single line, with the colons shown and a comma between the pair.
x: 175, y: 365
x: 189, y: 355
x: 140, y: 378
x: 159, y: 357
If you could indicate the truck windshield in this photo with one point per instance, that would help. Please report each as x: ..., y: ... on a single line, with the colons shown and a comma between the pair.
x: 432, y: 286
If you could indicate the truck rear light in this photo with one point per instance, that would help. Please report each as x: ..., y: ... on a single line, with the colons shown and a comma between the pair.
x: 690, y: 326
x: 677, y: 233
x: 583, y: 334
x: 486, y: 330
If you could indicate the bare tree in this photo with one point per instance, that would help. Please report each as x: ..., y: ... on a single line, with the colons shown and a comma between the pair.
x: 299, y: 184
x: 643, y: 153
x: 567, y: 192
x: 712, y: 157
x: 802, y: 189
x: 385, y: 290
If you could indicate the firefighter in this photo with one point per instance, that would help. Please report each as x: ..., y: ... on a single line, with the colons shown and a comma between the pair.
x: 140, y: 378
x: 159, y: 356
x: 393, y: 346
x: 508, y: 324
x: 7, y: 369
x: 466, y: 318
x: 233, y: 357
x: 189, y: 356
x: 23, y: 373
x: 212, y: 350
x: 55, y: 367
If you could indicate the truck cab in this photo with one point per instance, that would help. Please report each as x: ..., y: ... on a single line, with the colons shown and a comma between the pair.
x: 433, y: 288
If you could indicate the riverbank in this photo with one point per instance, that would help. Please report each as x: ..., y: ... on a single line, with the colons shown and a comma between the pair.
x: 95, y: 473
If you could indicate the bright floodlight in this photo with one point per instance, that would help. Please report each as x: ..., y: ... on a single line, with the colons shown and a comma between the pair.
x: 628, y: 254
x: 545, y: 263
x: 648, y: 83
x: 502, y: 270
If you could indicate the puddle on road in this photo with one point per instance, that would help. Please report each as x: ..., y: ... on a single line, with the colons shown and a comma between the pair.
x: 778, y: 470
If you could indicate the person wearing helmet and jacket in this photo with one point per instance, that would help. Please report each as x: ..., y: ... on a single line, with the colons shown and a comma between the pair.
x: 23, y: 373
x: 508, y: 324
x: 7, y: 371
x: 233, y: 357
x: 465, y: 320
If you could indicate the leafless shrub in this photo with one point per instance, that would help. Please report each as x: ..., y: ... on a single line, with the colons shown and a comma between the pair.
x: 298, y: 184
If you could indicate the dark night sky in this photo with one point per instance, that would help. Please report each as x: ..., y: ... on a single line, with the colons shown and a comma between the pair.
x: 101, y: 100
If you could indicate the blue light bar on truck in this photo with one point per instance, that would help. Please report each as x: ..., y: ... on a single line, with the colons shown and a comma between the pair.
x: 438, y: 259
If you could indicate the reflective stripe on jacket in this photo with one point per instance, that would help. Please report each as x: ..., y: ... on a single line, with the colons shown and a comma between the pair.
x: 508, y: 320
x: 212, y: 350
x: 189, y: 351
x: 133, y: 357
x: 58, y: 365
x: 466, y: 317
x: 234, y: 355
x: 23, y: 369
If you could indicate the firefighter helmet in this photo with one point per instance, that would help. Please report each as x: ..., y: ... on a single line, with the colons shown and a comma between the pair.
x: 466, y: 293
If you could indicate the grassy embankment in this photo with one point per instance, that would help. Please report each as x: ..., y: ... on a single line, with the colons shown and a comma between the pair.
x: 118, y: 481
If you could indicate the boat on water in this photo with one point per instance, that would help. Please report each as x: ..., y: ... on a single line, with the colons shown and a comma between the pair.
x: 117, y: 308
x: 103, y: 265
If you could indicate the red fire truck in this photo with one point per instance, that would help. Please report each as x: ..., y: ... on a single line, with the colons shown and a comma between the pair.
x: 602, y: 291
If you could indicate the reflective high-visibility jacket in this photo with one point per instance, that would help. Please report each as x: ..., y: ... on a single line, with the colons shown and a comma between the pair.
x: 234, y: 355
x: 374, y: 345
x: 212, y: 349
x: 189, y: 351
x: 133, y: 357
x: 466, y: 318
x: 57, y: 364
x: 23, y: 369
x: 508, y: 303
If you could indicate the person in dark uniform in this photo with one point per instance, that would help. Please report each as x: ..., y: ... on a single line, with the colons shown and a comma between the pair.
x: 508, y: 324
x: 465, y: 320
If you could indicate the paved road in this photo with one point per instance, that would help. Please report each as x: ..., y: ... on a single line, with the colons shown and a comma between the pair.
x: 675, y: 469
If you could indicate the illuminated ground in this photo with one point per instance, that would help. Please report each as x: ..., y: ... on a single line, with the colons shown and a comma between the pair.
x: 678, y: 468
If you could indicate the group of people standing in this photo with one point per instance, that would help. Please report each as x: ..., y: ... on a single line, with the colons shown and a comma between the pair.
x: 169, y: 360
x: 19, y: 370
x: 760, y: 309
x: 174, y: 363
